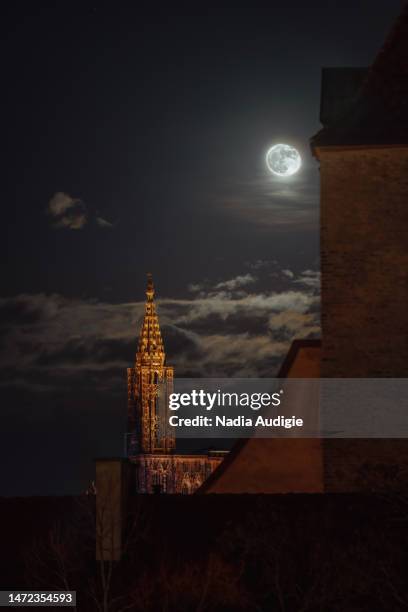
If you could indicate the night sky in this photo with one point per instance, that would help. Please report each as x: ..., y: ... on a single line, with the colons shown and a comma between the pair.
x: 135, y: 140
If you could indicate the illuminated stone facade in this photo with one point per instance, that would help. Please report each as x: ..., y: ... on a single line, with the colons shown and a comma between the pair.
x: 150, y: 382
x: 150, y: 440
x: 171, y: 473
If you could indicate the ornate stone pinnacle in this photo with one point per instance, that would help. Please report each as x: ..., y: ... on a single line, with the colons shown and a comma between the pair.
x: 150, y: 287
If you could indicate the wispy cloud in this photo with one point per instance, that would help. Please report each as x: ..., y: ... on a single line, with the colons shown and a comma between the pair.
x: 51, y: 341
x: 273, y: 202
x: 234, y: 283
x: 309, y: 278
x: 230, y: 285
x: 104, y: 223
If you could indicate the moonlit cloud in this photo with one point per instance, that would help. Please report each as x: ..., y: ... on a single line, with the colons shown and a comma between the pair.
x: 235, y: 283
x: 195, y: 287
x: 260, y: 264
x: 54, y: 342
x: 71, y: 213
x: 309, y: 278
x: 66, y: 211
x: 269, y: 202
x: 103, y: 223
x: 223, y: 288
x: 291, y: 324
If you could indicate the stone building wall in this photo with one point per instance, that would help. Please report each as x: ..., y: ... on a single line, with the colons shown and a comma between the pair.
x: 364, y: 260
x: 182, y: 474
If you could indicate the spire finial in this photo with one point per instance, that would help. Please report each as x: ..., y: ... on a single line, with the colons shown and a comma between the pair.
x: 150, y: 287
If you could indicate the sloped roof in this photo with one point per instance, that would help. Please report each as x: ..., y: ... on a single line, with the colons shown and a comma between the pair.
x: 379, y: 116
x: 275, y: 465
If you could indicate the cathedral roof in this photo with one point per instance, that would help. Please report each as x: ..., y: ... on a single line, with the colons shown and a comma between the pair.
x: 150, y: 348
x: 378, y: 114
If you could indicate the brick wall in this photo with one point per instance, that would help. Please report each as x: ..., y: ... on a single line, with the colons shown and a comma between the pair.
x: 364, y: 260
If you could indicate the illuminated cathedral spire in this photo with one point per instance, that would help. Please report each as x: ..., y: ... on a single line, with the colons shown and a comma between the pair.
x: 150, y: 382
x: 150, y: 349
x: 150, y: 440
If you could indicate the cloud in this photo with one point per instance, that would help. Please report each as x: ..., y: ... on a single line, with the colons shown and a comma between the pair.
x: 66, y: 211
x: 309, y: 278
x: 270, y: 202
x: 195, y: 287
x: 222, y: 288
x: 223, y: 306
x: 259, y: 264
x: 54, y: 342
x: 241, y: 355
x: 290, y: 325
x: 71, y: 213
x: 103, y: 223
x: 235, y: 283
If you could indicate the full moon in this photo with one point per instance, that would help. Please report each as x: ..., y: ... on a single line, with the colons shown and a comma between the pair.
x: 283, y: 160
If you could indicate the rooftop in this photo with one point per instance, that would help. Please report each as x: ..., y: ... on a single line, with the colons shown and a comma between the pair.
x: 375, y: 111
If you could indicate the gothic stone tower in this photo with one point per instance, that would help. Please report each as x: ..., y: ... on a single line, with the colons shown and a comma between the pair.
x: 150, y: 382
x: 150, y: 440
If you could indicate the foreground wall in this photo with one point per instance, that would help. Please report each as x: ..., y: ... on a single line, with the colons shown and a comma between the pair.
x: 364, y: 260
